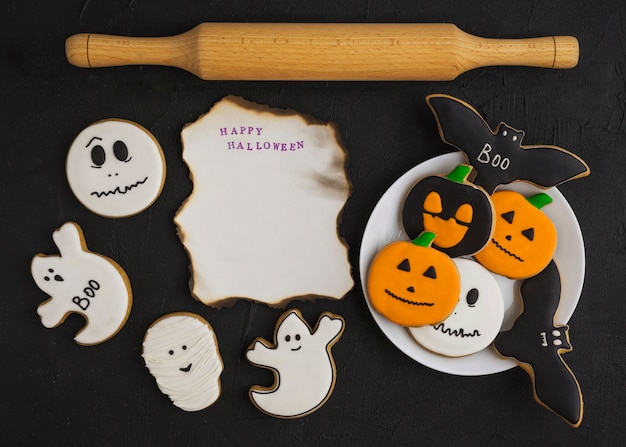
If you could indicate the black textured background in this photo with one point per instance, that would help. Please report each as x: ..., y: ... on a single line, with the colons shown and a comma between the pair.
x: 56, y: 392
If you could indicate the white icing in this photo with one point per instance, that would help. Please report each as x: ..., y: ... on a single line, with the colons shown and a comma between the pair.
x: 303, y: 363
x: 180, y: 351
x: 471, y: 327
x: 120, y: 182
x: 79, y: 281
x: 495, y: 160
x: 261, y: 223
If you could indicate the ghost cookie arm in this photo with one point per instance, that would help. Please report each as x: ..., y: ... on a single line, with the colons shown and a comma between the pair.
x: 69, y: 239
x: 329, y: 327
x: 51, y: 314
x: 259, y: 353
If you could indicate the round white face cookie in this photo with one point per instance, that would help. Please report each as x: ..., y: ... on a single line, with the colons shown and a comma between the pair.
x: 476, y: 320
x: 115, y: 168
x: 180, y: 351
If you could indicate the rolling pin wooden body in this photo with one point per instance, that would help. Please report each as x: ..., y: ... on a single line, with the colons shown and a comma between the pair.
x: 336, y: 51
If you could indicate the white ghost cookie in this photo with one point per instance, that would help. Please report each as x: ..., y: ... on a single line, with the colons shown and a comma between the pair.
x: 476, y: 319
x: 304, y: 368
x: 180, y: 351
x: 115, y: 168
x: 80, y: 281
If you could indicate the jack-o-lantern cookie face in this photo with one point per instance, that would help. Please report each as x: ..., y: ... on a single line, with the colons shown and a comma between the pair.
x: 412, y: 284
x: 457, y: 211
x: 524, y: 238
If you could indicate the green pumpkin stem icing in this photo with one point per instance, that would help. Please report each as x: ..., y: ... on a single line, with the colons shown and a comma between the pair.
x: 539, y: 200
x: 460, y: 173
x: 425, y: 239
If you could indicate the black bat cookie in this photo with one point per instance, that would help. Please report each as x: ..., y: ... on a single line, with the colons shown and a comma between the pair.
x: 498, y: 157
x: 537, y: 344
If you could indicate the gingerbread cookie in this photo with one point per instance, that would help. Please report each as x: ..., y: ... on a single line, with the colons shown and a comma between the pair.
x: 303, y: 365
x: 413, y: 284
x: 458, y: 212
x: 80, y: 281
x: 524, y: 239
x: 498, y: 155
x: 476, y: 319
x: 180, y: 351
x: 537, y: 343
x: 115, y: 168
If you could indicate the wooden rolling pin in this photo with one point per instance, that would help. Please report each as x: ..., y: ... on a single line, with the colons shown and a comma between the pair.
x: 316, y: 51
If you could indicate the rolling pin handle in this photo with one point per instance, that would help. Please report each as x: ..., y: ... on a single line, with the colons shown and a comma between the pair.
x: 76, y: 50
x: 565, y: 52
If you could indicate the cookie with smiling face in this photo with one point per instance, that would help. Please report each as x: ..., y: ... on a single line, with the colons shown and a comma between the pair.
x: 524, y: 238
x: 457, y: 211
x: 413, y: 284
x: 115, y: 168
x: 180, y: 350
x: 304, y: 368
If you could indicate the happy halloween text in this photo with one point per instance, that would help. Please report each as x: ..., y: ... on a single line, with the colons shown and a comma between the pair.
x: 257, y: 145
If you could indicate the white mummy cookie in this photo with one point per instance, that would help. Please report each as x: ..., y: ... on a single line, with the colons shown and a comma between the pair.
x: 304, y: 368
x: 180, y: 351
x: 475, y: 321
x: 80, y: 281
x: 115, y: 168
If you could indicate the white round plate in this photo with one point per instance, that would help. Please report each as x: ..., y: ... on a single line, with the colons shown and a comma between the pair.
x: 385, y: 226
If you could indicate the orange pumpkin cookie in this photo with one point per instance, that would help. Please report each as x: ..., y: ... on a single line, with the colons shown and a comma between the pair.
x: 524, y: 238
x: 412, y: 284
